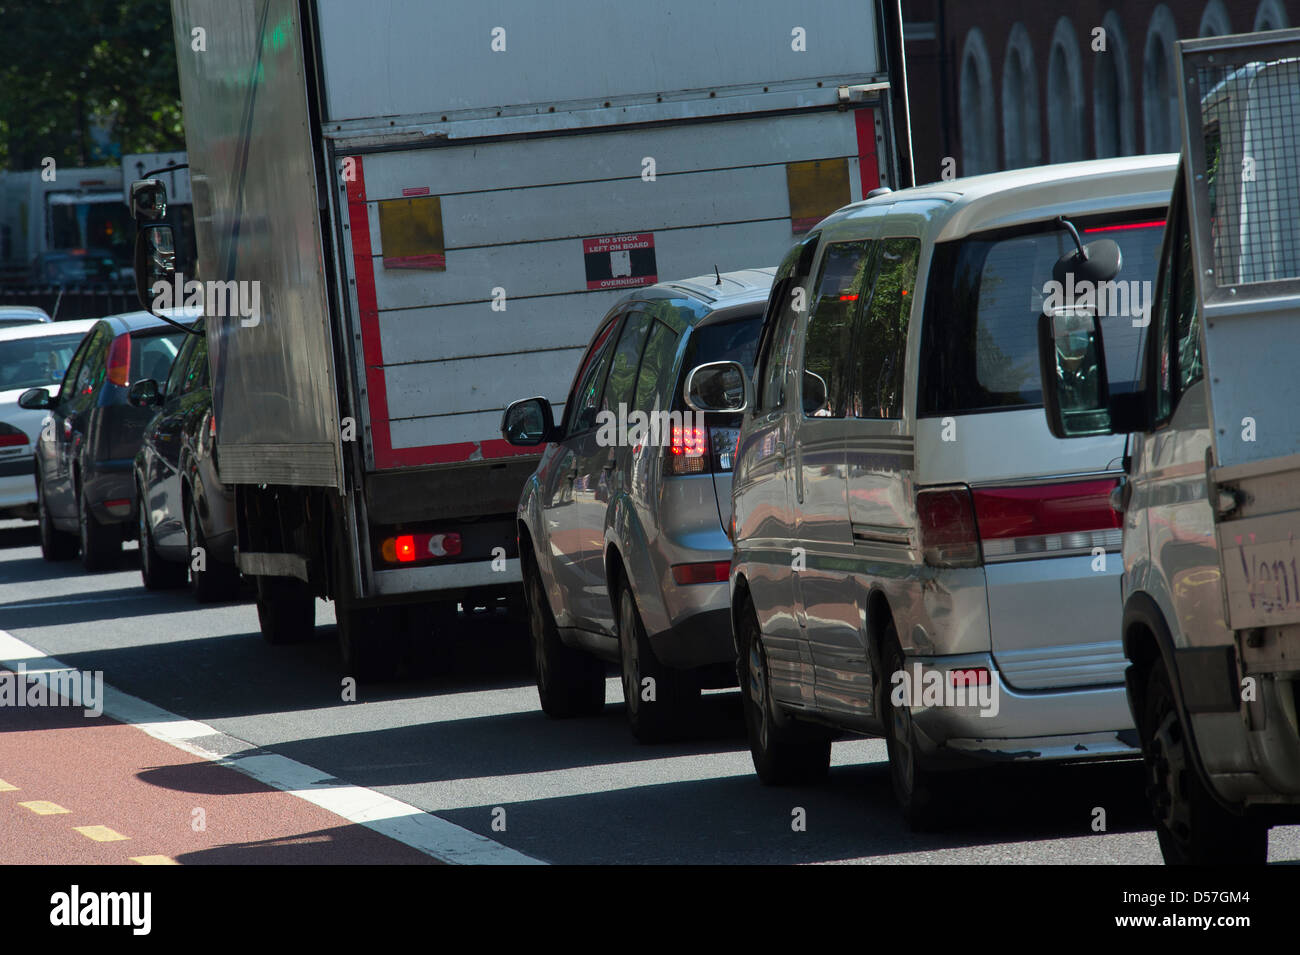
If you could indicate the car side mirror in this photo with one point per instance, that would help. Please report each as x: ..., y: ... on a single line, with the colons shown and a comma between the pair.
x: 144, y: 393
x: 718, y: 386
x: 528, y: 423
x: 155, y: 261
x: 814, y: 393
x: 36, y: 399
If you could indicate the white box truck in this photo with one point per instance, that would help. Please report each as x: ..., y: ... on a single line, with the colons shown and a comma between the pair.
x: 1211, y: 501
x: 433, y: 205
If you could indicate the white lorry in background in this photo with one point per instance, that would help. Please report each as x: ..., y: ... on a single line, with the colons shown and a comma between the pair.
x: 1211, y: 503
x: 434, y: 205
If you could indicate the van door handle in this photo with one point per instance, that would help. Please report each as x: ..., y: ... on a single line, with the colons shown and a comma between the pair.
x: 779, y: 453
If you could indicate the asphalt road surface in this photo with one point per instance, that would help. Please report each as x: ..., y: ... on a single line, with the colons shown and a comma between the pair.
x: 462, y: 738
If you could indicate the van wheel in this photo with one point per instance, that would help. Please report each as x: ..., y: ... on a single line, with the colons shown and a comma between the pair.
x: 56, y: 545
x: 373, y: 641
x: 920, y: 796
x: 157, y: 572
x: 217, y: 580
x: 286, y: 610
x: 101, y: 544
x: 674, y: 693
x: 1192, y: 827
x: 783, y: 755
x: 569, y: 682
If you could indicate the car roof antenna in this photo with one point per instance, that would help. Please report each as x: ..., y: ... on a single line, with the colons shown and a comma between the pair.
x: 717, y: 273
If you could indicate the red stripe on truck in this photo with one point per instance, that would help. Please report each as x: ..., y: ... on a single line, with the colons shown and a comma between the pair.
x: 864, y: 121
x: 372, y: 351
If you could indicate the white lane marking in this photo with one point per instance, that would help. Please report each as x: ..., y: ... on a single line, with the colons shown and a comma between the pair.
x: 391, y: 817
x: 41, y: 604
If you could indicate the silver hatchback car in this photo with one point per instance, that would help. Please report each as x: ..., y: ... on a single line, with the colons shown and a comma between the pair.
x: 621, y: 527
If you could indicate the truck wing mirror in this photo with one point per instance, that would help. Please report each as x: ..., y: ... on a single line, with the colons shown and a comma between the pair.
x: 155, y: 260
x: 148, y: 200
x: 1072, y: 362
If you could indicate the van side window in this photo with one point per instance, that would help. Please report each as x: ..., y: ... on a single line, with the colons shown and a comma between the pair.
x: 783, y: 308
x: 584, y: 400
x: 879, y: 346
x: 842, y: 286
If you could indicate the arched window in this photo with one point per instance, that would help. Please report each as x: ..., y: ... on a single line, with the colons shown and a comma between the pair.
x: 1022, y: 140
x: 1065, y: 129
x: 1214, y: 21
x: 1159, y: 98
x: 1271, y: 15
x: 1112, y: 93
x: 979, y: 146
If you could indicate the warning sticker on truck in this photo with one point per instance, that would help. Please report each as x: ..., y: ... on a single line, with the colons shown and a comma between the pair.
x: 620, y: 261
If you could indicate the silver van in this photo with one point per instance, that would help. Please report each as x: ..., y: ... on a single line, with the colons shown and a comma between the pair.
x: 915, y: 555
x: 624, y: 555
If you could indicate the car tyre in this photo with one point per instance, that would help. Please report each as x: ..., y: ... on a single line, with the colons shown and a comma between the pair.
x: 156, y: 571
x: 1192, y: 827
x: 919, y: 791
x: 676, y: 695
x: 784, y: 752
x: 100, y: 544
x: 569, y: 682
x: 56, y: 545
x: 286, y: 610
x: 218, y: 580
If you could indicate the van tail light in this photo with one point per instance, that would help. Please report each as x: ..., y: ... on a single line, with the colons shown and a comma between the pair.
x: 1047, y: 520
x: 119, y: 361
x: 946, y: 519
x: 11, y: 437
x: 687, y: 451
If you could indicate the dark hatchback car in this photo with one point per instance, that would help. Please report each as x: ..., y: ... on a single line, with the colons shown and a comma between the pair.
x: 185, y: 516
x: 85, y: 498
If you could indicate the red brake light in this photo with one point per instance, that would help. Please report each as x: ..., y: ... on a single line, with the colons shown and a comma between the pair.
x: 1043, y: 519
x: 709, y: 572
x: 946, y: 519
x: 119, y: 361
x: 11, y: 437
x: 406, y: 548
x: 687, y: 451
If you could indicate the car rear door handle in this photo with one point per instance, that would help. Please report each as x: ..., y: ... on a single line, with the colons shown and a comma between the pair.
x: 779, y: 453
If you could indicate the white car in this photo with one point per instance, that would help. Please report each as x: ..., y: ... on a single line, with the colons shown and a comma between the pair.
x: 14, y: 315
x: 31, y: 356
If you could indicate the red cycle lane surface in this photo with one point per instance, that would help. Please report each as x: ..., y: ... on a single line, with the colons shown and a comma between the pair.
x: 62, y: 772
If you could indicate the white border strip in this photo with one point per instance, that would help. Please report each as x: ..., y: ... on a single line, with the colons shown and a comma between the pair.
x: 390, y: 817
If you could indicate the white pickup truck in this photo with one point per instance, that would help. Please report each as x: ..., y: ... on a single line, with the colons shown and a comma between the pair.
x: 1211, y: 503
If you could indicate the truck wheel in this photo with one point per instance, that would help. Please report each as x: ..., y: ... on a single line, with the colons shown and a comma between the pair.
x: 674, y: 695
x: 217, y: 580
x: 101, y: 544
x: 56, y: 545
x: 920, y: 794
x: 157, y: 572
x: 1192, y: 827
x: 286, y: 610
x: 372, y: 641
x: 783, y: 755
x: 569, y: 682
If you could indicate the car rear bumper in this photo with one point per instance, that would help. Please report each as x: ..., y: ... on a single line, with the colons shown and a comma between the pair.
x: 112, y: 480
x: 17, y: 482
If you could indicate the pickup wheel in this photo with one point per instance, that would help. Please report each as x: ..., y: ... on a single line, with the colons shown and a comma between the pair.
x: 1192, y: 827
x: 783, y: 754
x: 101, y: 544
x: 157, y: 572
x: 217, y: 580
x: 919, y: 792
x: 56, y: 545
x: 372, y: 641
x: 569, y: 682
x: 673, y: 694
x: 286, y: 610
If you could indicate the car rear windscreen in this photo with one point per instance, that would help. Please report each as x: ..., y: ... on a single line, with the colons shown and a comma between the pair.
x: 736, y: 340
x: 36, y: 362
x: 979, y: 341
x: 152, y: 355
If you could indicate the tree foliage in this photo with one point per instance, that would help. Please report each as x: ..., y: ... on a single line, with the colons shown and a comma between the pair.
x: 69, y: 67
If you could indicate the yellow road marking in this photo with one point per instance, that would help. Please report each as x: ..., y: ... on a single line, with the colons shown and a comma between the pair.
x: 7, y: 787
x: 101, y: 833
x: 154, y: 860
x: 43, y: 808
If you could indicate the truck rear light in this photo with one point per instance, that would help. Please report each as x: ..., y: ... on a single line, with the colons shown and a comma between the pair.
x: 1047, y: 519
x: 409, y: 548
x: 946, y: 519
x: 11, y: 437
x: 708, y: 572
x: 119, y: 361
x: 687, y: 451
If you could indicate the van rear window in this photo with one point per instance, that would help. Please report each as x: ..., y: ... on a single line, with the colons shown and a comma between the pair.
x: 979, y: 340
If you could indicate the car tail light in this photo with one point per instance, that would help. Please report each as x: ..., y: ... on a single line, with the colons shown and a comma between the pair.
x: 11, y: 437
x: 409, y: 548
x: 687, y: 451
x: 119, y: 361
x: 724, y: 443
x: 118, y: 507
x: 970, y: 676
x: 946, y: 518
x: 708, y: 572
x: 1047, y: 519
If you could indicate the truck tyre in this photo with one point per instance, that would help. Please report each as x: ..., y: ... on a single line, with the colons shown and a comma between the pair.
x: 673, y: 694
x: 101, y: 544
x: 56, y: 545
x: 286, y: 610
x: 920, y: 793
x: 569, y: 682
x: 783, y: 755
x: 1192, y: 827
x: 217, y: 580
x: 372, y: 641
x: 157, y: 572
